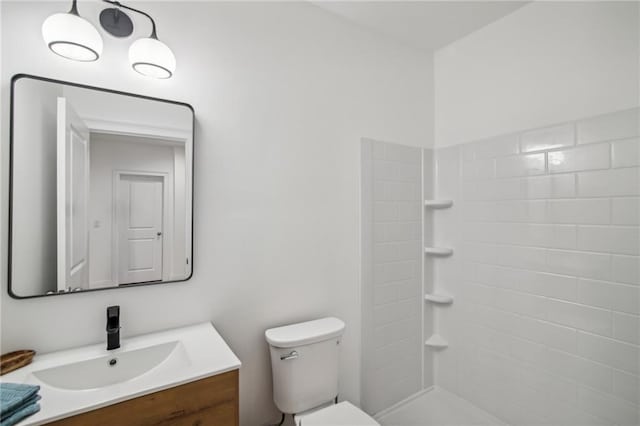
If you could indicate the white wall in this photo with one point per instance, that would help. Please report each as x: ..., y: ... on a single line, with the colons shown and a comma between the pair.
x: 34, y: 217
x: 547, y: 62
x: 283, y: 92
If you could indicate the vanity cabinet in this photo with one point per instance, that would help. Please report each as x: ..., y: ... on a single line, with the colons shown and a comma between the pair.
x: 211, y: 401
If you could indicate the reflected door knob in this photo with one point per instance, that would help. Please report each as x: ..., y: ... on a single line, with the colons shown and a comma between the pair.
x: 159, y: 234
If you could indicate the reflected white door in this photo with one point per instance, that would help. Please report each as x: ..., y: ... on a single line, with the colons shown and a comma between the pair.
x: 139, y: 217
x: 72, y: 198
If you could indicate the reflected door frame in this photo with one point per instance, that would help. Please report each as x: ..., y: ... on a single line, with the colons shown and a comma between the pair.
x: 72, y: 136
x: 167, y: 223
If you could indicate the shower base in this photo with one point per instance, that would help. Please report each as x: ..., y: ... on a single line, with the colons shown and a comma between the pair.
x: 436, y: 407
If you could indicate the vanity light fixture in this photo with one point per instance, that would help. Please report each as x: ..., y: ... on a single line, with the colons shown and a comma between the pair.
x: 148, y: 56
x: 151, y: 57
x: 71, y: 36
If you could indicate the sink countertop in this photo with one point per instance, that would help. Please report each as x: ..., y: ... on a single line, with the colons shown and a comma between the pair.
x: 207, y: 353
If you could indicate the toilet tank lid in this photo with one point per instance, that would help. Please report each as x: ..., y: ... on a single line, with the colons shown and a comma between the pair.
x: 305, y: 333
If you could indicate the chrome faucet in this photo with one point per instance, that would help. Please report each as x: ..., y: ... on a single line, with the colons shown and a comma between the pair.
x: 113, y: 327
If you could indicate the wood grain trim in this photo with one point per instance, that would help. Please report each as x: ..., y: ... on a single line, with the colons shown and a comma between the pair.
x: 208, y: 402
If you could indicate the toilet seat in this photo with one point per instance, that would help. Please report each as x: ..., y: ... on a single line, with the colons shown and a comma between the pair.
x: 342, y: 414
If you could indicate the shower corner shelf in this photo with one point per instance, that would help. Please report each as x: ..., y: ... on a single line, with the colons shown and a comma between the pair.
x: 438, y: 204
x: 440, y: 299
x: 438, y: 251
x: 436, y: 342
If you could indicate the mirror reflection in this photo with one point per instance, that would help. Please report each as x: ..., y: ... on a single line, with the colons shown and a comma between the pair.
x: 101, y: 189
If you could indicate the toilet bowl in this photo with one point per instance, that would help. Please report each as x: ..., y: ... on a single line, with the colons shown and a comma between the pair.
x: 304, y: 363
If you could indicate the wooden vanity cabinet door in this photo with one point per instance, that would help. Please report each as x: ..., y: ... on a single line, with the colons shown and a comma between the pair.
x: 208, y: 402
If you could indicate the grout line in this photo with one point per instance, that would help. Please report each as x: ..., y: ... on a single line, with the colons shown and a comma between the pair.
x: 547, y: 321
x: 553, y: 273
x: 399, y: 404
x: 554, y: 249
x: 547, y: 347
x: 423, y: 270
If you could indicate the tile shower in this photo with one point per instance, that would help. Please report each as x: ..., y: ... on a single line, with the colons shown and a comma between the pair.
x: 544, y: 326
x: 391, y: 304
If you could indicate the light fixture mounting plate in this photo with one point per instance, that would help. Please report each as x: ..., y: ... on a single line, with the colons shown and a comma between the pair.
x: 116, y: 22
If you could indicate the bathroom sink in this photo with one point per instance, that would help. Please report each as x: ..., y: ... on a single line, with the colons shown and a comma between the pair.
x: 86, y: 378
x: 108, y: 370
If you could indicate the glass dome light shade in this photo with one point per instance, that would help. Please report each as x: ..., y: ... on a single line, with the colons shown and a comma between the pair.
x: 153, y: 58
x: 72, y: 37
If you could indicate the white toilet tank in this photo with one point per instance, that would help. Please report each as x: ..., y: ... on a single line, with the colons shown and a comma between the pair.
x: 304, y: 362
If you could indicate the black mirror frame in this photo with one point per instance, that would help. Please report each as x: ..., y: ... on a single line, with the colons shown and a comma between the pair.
x: 19, y: 76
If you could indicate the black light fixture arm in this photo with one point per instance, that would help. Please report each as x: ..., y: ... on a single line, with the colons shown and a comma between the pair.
x: 118, y: 4
x: 74, y: 8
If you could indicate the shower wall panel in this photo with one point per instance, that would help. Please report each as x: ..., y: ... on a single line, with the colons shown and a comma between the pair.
x: 391, y: 273
x: 545, y: 327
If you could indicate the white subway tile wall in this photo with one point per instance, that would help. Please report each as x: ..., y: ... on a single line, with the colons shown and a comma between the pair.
x: 428, y: 286
x: 392, y: 273
x: 545, y: 327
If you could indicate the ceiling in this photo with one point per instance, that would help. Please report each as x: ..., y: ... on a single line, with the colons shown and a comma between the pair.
x: 425, y: 25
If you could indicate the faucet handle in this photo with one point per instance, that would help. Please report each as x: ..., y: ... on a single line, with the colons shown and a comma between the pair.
x: 113, y: 318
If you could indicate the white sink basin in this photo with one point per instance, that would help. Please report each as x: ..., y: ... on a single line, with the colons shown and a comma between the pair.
x: 83, y: 379
x: 110, y: 369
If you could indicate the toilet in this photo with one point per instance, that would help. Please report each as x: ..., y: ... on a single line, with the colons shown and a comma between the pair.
x: 304, y: 362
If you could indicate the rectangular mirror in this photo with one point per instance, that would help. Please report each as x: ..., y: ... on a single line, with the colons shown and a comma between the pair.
x: 101, y: 189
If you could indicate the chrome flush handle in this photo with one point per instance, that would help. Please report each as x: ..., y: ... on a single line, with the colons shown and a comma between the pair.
x: 290, y: 355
